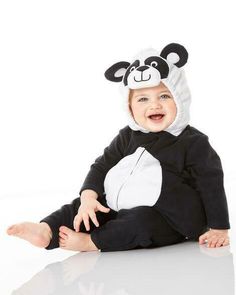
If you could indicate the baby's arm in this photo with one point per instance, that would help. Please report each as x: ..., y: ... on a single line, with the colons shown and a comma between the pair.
x: 205, y: 168
x: 93, y: 185
x: 111, y: 156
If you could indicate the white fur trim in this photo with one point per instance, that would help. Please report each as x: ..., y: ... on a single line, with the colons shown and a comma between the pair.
x: 177, y: 84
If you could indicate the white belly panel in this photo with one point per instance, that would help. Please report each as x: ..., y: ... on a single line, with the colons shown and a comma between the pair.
x: 134, y: 181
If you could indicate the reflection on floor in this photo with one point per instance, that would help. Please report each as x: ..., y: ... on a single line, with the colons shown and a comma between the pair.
x: 186, y: 268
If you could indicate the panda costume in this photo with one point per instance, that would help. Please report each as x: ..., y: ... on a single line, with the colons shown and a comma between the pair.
x: 162, y: 187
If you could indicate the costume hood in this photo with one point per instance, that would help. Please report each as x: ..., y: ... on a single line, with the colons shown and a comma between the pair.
x: 147, y: 69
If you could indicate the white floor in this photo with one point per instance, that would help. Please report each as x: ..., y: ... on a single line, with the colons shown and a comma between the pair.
x: 186, y: 268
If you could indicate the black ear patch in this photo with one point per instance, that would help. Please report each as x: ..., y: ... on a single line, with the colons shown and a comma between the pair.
x: 179, y: 50
x: 159, y: 64
x: 131, y: 67
x: 111, y: 72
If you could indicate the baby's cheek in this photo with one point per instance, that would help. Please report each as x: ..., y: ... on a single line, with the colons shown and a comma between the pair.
x: 131, y: 110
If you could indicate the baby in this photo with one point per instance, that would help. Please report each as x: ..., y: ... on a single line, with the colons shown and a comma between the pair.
x: 158, y: 183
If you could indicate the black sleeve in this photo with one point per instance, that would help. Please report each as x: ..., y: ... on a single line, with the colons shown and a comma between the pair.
x: 205, y: 167
x: 111, y: 156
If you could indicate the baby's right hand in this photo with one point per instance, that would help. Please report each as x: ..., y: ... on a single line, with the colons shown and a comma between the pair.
x: 87, y: 209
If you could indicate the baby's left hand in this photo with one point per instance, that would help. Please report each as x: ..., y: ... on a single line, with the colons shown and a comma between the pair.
x: 215, y: 238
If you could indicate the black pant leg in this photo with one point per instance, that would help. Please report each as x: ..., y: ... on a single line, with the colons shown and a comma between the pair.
x: 65, y: 216
x: 139, y: 227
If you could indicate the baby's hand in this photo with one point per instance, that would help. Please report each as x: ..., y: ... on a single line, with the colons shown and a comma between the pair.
x: 215, y: 238
x: 87, y: 209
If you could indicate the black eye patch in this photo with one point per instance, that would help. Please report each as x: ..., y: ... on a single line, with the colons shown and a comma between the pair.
x: 133, y: 66
x: 159, y: 64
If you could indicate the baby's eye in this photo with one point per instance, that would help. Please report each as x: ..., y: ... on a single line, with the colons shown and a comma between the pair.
x: 142, y: 99
x: 165, y: 96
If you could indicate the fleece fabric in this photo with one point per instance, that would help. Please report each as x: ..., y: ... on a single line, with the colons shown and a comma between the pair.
x: 180, y: 176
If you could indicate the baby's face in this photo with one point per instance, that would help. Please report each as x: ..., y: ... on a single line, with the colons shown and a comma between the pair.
x: 156, y: 101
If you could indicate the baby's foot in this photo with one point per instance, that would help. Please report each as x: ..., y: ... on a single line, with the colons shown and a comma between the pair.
x: 75, y: 241
x: 38, y: 234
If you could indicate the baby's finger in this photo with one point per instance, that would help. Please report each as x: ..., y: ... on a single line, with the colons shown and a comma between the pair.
x: 77, y: 221
x: 94, y: 218
x: 86, y: 221
x: 226, y: 242
x: 103, y: 209
x: 220, y: 242
x: 211, y: 241
x: 202, y: 238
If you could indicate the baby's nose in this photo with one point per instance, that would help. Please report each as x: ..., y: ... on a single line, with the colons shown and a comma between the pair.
x: 155, y: 104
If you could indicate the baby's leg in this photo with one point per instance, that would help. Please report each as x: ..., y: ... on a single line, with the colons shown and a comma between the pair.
x: 46, y: 233
x: 139, y: 227
x: 63, y: 216
x: 61, y: 224
x: 57, y: 229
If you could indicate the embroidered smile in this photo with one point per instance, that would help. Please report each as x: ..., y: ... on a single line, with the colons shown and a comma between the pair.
x: 142, y: 79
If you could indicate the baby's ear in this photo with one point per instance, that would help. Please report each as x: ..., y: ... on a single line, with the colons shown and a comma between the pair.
x: 116, y: 72
x: 175, y: 54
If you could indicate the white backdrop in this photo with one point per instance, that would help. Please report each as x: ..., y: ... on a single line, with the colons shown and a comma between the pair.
x: 58, y: 112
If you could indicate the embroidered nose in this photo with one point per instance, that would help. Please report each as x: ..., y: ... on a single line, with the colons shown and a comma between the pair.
x: 142, y: 68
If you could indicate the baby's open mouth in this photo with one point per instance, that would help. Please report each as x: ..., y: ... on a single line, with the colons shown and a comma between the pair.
x: 156, y: 117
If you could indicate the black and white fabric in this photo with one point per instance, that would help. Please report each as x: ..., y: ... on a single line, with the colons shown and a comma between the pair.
x: 176, y: 171
x: 147, y: 69
x: 180, y: 176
